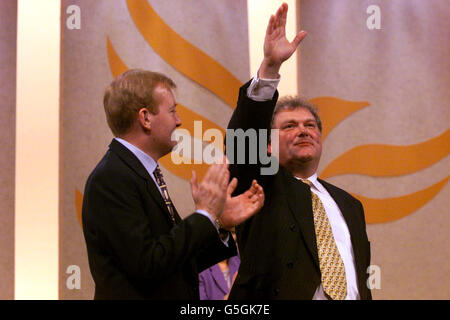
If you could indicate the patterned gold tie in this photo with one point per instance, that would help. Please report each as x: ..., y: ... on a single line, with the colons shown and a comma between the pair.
x: 332, y: 268
x: 162, y: 186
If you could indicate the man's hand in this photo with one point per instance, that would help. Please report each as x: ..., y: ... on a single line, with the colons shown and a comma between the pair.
x: 277, y: 48
x: 210, y: 195
x: 239, y: 208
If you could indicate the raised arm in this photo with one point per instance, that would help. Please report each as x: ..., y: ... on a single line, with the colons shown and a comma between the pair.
x: 254, y: 112
x: 277, y: 47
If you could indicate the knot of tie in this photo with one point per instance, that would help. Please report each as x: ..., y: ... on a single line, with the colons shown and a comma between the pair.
x: 157, y: 172
x: 309, y: 183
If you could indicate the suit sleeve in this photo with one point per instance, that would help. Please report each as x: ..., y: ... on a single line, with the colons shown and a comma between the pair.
x: 249, y: 115
x: 367, y: 295
x: 222, y: 252
x: 117, y: 228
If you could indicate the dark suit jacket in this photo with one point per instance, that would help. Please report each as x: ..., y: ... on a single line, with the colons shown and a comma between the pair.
x: 134, y: 250
x: 279, y: 258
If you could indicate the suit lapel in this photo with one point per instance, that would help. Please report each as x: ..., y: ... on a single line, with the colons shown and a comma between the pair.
x: 219, y: 279
x: 350, y: 217
x: 133, y: 162
x: 300, y: 204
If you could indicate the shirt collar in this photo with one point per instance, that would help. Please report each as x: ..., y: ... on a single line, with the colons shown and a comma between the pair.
x: 315, y: 182
x: 148, y: 162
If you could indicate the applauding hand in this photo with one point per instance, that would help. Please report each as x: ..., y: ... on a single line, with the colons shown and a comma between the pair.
x: 239, y: 208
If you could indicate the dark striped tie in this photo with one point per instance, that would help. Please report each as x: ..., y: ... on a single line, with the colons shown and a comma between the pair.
x: 163, y: 187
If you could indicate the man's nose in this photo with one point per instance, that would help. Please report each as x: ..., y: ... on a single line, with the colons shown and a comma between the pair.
x: 303, y: 131
x: 178, y: 121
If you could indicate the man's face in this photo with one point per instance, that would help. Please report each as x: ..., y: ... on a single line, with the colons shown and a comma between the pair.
x: 299, y: 137
x: 164, y: 123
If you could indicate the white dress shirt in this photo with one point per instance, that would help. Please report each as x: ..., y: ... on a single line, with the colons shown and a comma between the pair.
x: 342, y: 238
x: 264, y: 89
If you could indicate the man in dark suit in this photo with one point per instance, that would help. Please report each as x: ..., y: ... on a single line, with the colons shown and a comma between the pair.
x: 309, y: 240
x: 138, y: 246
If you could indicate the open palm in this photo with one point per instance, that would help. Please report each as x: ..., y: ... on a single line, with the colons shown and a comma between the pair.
x: 277, y: 47
x: 239, y: 208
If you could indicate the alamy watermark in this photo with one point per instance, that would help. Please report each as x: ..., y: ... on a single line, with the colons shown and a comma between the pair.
x: 374, y: 279
x: 74, y: 279
x: 242, y: 147
x: 374, y: 20
x: 73, y: 21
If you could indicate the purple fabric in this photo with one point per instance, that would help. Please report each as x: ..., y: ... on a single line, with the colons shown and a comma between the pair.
x: 212, y: 284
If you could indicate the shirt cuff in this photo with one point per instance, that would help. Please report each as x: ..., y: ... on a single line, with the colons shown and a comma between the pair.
x: 262, y: 89
x: 206, y: 214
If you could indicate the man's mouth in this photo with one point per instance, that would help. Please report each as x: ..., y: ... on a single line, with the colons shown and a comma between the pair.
x: 303, y: 143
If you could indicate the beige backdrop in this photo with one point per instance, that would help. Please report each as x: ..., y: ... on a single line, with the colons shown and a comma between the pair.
x: 86, y: 71
x: 396, y: 77
x: 8, y: 22
x: 401, y: 73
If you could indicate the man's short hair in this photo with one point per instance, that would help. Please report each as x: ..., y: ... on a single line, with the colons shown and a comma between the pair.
x: 294, y: 102
x: 130, y: 92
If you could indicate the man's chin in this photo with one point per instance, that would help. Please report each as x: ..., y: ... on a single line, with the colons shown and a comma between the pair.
x: 296, y: 160
x: 303, y: 156
x: 169, y: 148
x: 304, y: 159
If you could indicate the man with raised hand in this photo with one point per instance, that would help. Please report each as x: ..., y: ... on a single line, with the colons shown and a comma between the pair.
x: 309, y: 240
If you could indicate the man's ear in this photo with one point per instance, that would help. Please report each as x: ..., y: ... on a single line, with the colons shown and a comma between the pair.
x: 144, y: 118
x: 269, y: 149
